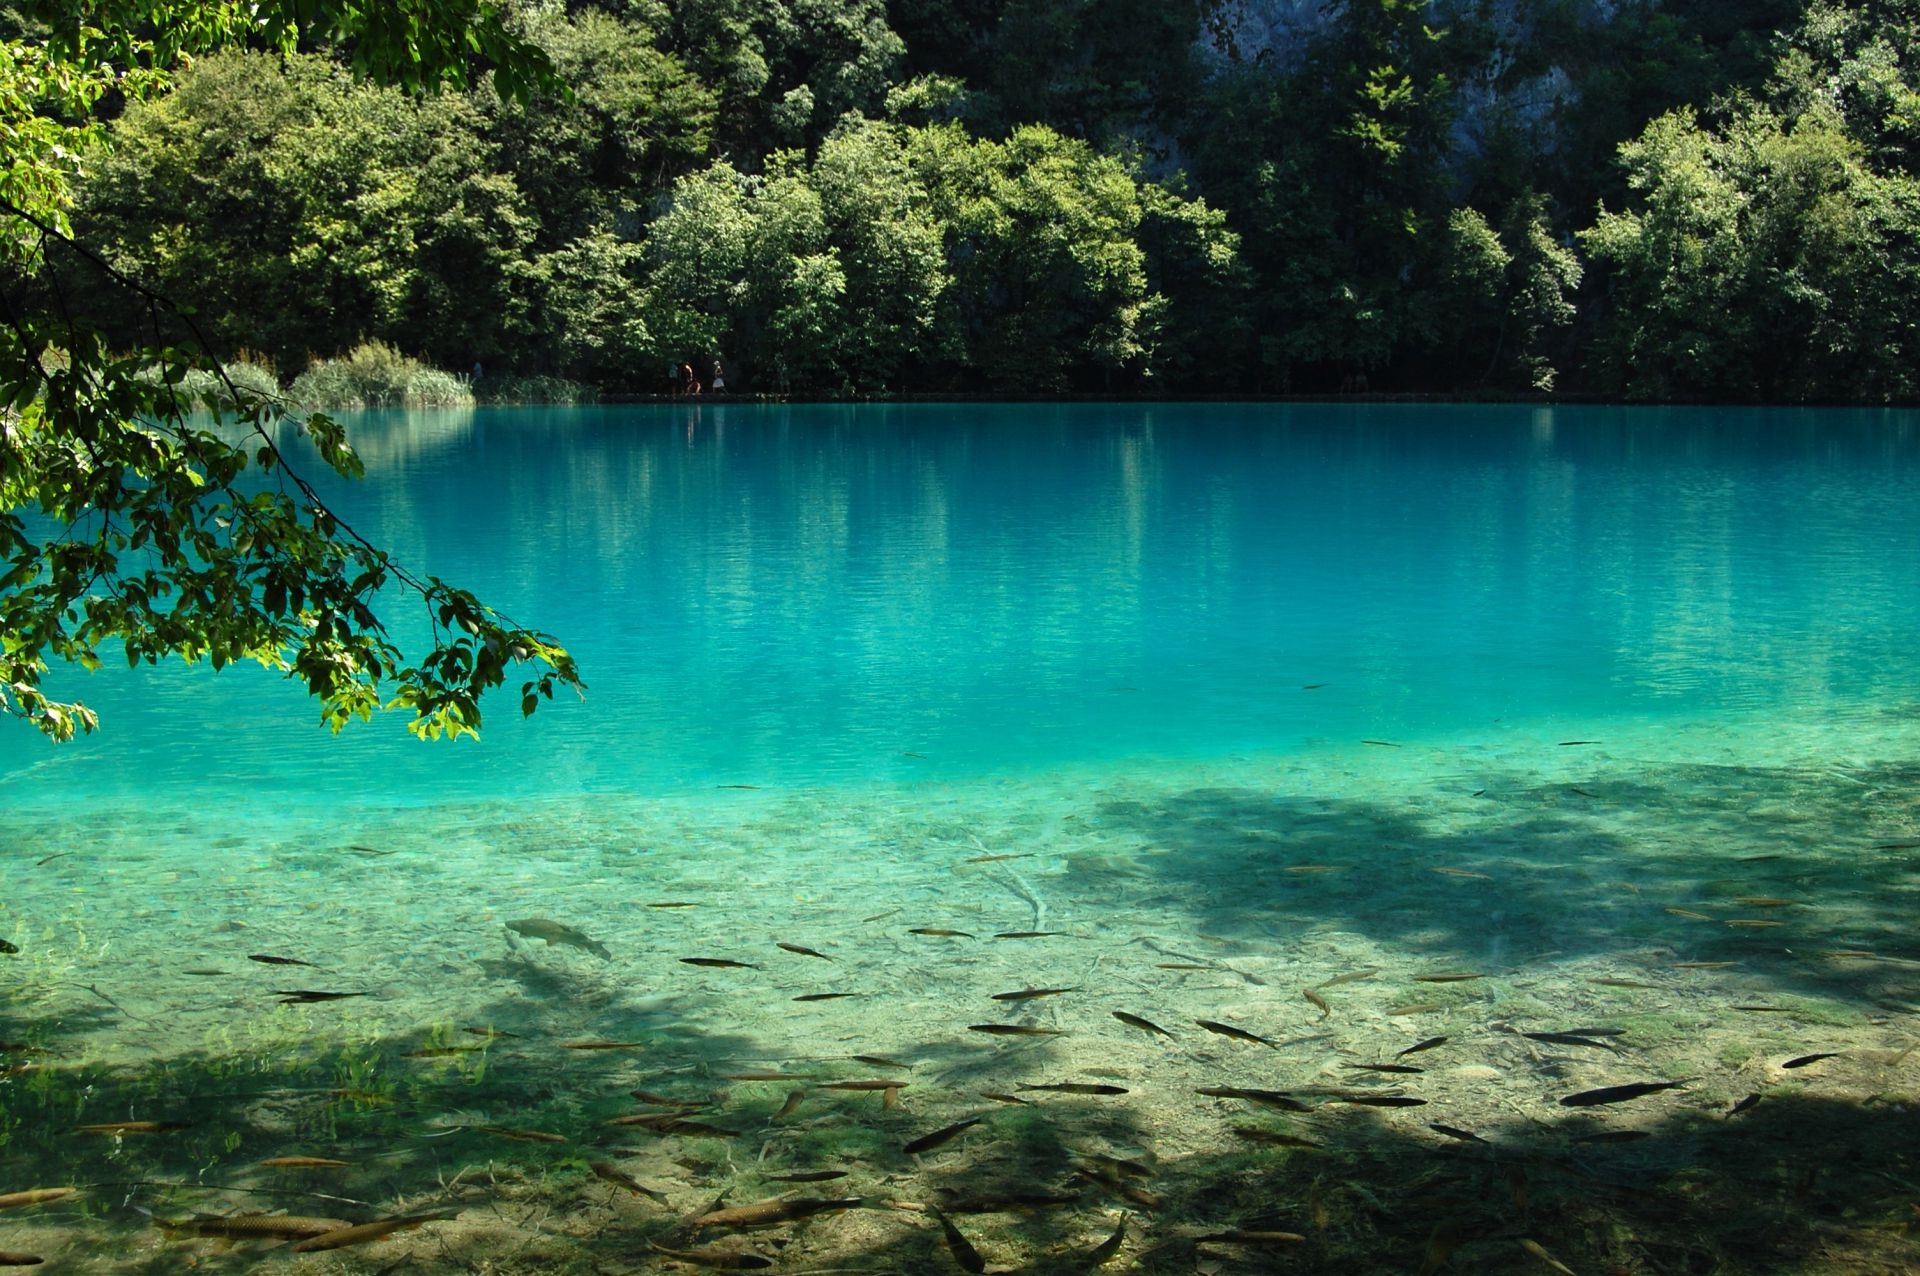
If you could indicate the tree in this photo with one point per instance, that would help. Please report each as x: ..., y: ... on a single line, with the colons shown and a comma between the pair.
x: 124, y: 520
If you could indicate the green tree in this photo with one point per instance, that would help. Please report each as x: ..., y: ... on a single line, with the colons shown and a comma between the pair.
x: 121, y: 519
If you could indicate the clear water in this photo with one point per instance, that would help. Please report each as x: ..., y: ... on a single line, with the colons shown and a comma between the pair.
x: 1614, y: 712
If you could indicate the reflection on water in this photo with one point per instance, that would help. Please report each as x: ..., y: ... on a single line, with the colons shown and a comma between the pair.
x: 1560, y: 755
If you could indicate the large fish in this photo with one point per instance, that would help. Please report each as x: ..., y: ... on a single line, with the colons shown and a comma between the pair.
x: 559, y: 933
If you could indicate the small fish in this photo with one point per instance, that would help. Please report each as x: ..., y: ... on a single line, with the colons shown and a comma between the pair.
x: 1419, y: 1008
x: 732, y: 1260
x: 524, y: 1136
x: 825, y: 996
x: 1107, y: 1248
x: 1181, y: 965
x: 736, y: 786
x: 372, y: 1098
x: 808, y: 1176
x: 1312, y: 686
x: 1806, y: 1059
x: 1614, y: 1136
x: 1382, y: 1100
x: 133, y: 1127
x: 927, y: 1142
x: 611, y: 1173
x: 440, y: 1052
x: 879, y: 917
x: 675, y: 903
x: 300, y: 996
x: 721, y: 963
x: 780, y: 1209
x: 1607, y: 982
x: 1279, y: 1138
x: 995, y: 859
x: 1460, y: 872
x: 1311, y: 868
x: 1418, y: 1046
x: 253, y: 1226
x: 1005, y: 1098
x: 666, y: 1101
x: 878, y: 1061
x: 491, y: 1033
x: 672, y: 1123
x: 1381, y: 744
x: 1026, y: 934
x: 1567, y: 1039
x: 1569, y: 743
x: 270, y: 960
x: 1145, y: 1025
x: 1001, y: 1202
x: 1351, y: 977
x: 1767, y: 901
x: 1076, y: 1087
x: 1618, y: 1093
x: 1238, y: 1236
x: 767, y: 1075
x: 1318, y: 1001
x: 787, y: 1109
x: 1454, y: 1132
x: 1238, y: 1034
x: 203, y: 972
x: 1771, y: 1010
x: 1689, y: 914
x: 368, y: 850
x: 1753, y: 923
x: 35, y: 1196
x: 1029, y: 994
x: 1133, y: 1169
x: 1014, y: 1030
x: 1582, y: 792
x: 803, y: 951
x: 368, y: 1231
x: 1402, y: 1068
x: 1743, y: 1105
x: 963, y: 1253
x: 878, y: 1084
x: 14, y: 1258
x: 558, y: 933
x: 1538, y: 1250
x: 600, y: 1045
x: 939, y: 932
x: 1271, y: 1098
x: 1448, y: 977
x: 1703, y: 965
x: 305, y: 1163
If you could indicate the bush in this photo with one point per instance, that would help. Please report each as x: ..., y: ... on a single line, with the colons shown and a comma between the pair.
x: 375, y: 375
x: 200, y: 388
x: 538, y: 389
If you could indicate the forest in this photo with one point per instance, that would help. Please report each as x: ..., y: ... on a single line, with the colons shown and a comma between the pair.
x: 1670, y: 202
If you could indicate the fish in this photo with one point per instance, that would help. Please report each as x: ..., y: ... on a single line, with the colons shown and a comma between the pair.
x: 1312, y: 686
x: 1703, y: 965
x: 270, y: 960
x: 1454, y: 1132
x: 1753, y: 923
x: 1026, y: 934
x: 558, y: 933
x: 1107, y: 1248
x: 35, y: 1196
x: 1238, y: 1236
x: 1689, y: 914
x: 824, y: 996
x: 1075, y: 1087
x: 1014, y: 1030
x: 8, y: 947
x: 1109, y: 1178
x: 779, y: 1209
x: 1382, y: 1100
x: 1618, y: 1093
x: 1238, y: 1034
x: 1767, y: 901
x: 1461, y: 872
x: 1317, y: 1000
x: 1448, y: 977
x: 1418, y: 1008
x: 803, y: 951
x: 1806, y: 1059
x: 1567, y: 1039
x: 524, y: 1136
x: 1569, y: 743
x: 1771, y: 1010
x: 300, y: 996
x: 1311, y: 868
x: 763, y: 1075
x: 368, y: 1231
x: 611, y: 1173
x: 1181, y: 965
x: 876, y: 1084
x: 1381, y: 744
x: 601, y: 1045
x: 1743, y: 1105
x: 203, y: 972
x: 674, y: 903
x: 1029, y: 994
x: 369, y: 850
x: 1145, y: 1025
x: 1351, y: 977
x: 1279, y: 1138
x: 731, y: 1260
x: 1608, y: 982
x: 995, y: 859
x: 1271, y: 1098
x: 808, y: 1176
x: 736, y: 786
x: 1418, y: 1046
x: 787, y: 1109
x: 939, y: 932
x: 305, y: 1163
x: 491, y: 1033
x: 879, y: 917
x: 133, y: 1127
x: 253, y: 1226
x: 722, y: 963
x: 14, y: 1258
x: 369, y: 1097
x: 1005, y: 1098
x: 963, y: 1253
x: 439, y: 1052
x: 927, y: 1142
x: 1121, y: 1165
x: 672, y: 1123
x: 1000, y: 1202
x: 666, y: 1101
x: 1403, y: 1068
x: 878, y: 1061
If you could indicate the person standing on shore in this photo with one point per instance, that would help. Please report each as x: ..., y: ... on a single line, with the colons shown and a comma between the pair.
x: 719, y: 378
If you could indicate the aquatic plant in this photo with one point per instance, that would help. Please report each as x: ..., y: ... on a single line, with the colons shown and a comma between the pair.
x: 375, y: 375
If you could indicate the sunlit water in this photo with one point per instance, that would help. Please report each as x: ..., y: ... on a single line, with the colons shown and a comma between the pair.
x: 1616, y: 711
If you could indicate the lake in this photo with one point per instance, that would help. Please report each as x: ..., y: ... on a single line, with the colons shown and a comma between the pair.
x: 1473, y: 720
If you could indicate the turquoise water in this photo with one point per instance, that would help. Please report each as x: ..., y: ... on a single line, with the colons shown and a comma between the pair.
x: 1378, y: 735
x: 805, y: 596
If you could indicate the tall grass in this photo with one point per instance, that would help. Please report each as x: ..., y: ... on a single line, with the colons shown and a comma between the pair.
x: 535, y: 389
x: 375, y: 375
x: 201, y: 388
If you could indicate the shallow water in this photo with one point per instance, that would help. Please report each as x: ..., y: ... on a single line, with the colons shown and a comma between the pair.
x: 1613, y: 710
